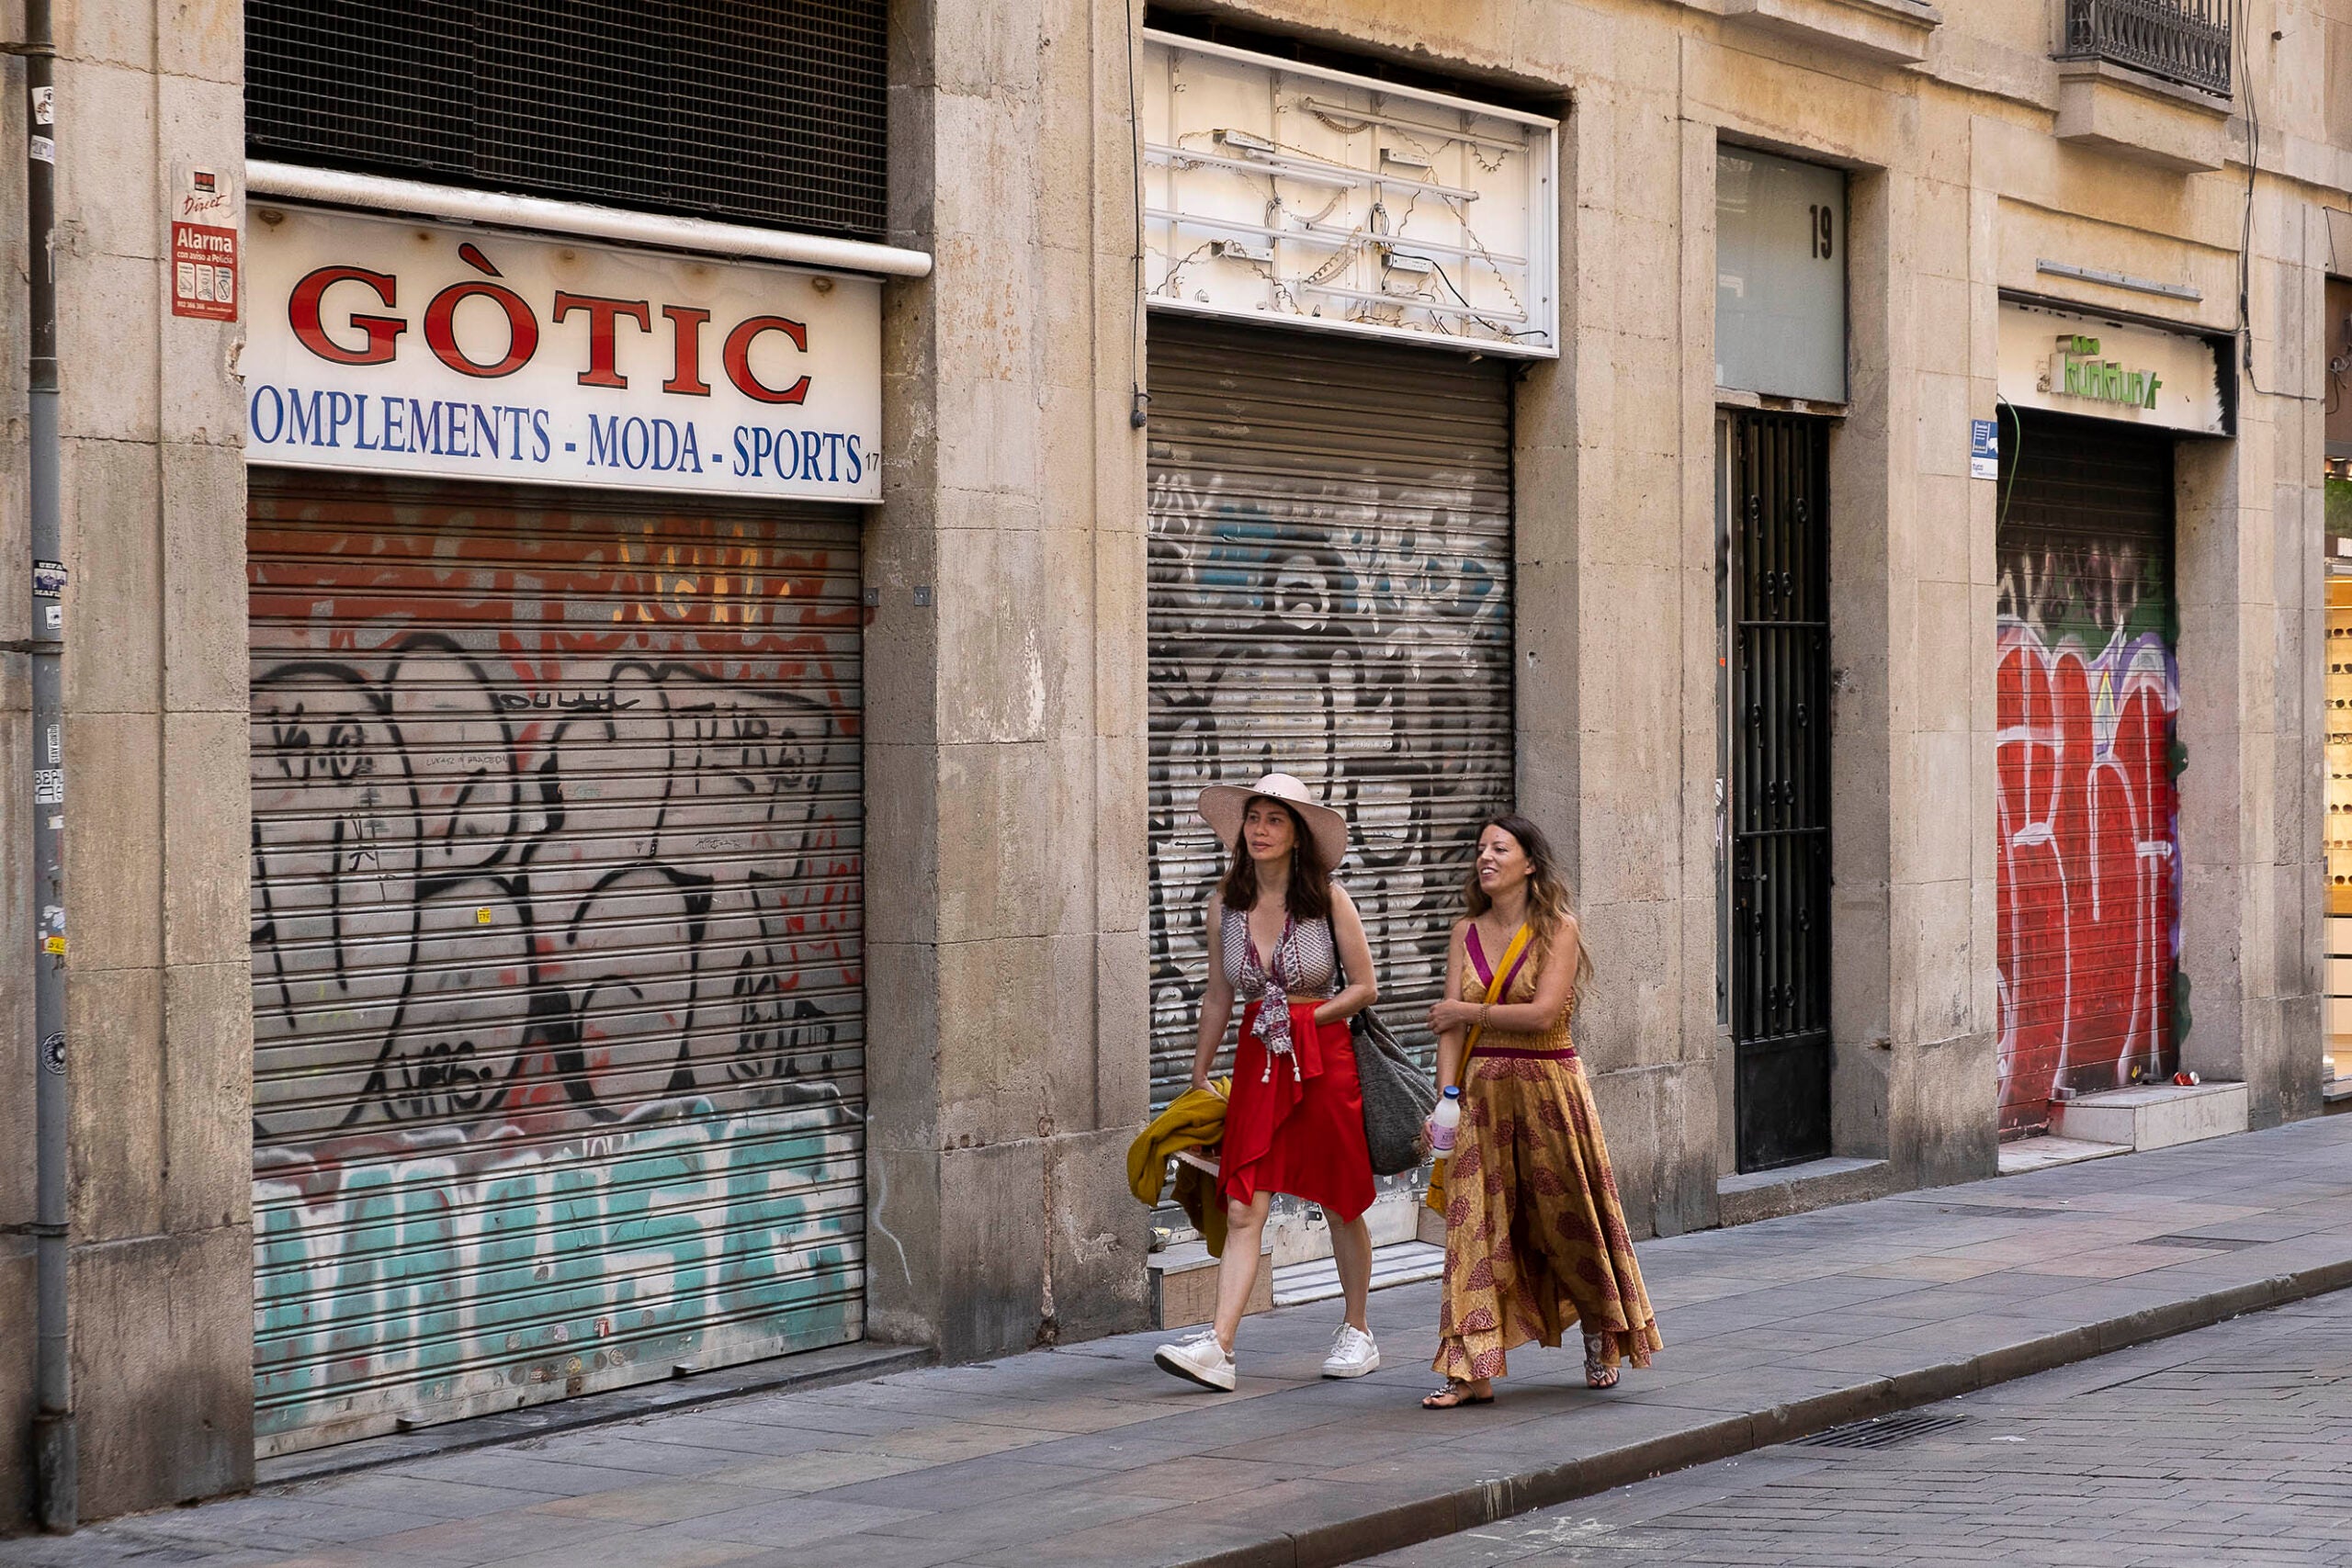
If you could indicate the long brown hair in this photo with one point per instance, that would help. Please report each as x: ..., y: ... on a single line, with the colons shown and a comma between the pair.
x: 1308, y: 898
x: 1547, y: 896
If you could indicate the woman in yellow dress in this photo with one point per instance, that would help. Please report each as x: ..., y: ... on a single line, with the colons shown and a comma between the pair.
x: 1536, y: 1237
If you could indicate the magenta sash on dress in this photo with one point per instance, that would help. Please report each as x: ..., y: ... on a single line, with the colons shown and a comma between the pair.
x: 1494, y: 994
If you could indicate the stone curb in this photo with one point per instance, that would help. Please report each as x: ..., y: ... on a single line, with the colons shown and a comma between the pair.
x: 1446, y: 1513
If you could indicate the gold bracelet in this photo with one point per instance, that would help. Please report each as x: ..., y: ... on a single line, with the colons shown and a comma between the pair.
x: 1483, y: 1009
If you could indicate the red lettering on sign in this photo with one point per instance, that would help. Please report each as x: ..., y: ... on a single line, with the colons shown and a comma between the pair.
x: 685, y: 337
x: 739, y: 358
x: 522, y: 328
x: 302, y: 310
x: 601, y: 348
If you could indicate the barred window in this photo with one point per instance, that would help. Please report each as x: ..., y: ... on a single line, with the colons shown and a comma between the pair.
x: 760, y: 113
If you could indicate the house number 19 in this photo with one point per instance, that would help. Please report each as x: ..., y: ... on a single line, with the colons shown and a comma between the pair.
x: 1823, y: 227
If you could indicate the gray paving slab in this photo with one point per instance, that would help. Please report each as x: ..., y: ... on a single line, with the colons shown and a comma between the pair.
x: 2097, y: 1465
x: 857, y: 1551
x: 1087, y: 1454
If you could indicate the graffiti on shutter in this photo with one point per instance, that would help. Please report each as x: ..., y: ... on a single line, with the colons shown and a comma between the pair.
x: 1329, y: 596
x: 556, y: 949
x: 2089, y: 692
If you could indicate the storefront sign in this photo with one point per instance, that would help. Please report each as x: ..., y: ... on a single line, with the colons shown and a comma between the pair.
x: 1984, y: 449
x: 1281, y: 192
x: 1780, y: 277
x: 2075, y: 363
x: 402, y: 347
x: 205, y: 215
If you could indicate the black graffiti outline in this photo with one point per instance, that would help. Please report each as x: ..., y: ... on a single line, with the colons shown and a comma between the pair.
x: 411, y: 1083
x: 1233, y: 567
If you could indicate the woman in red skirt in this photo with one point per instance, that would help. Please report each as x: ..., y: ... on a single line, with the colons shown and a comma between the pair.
x: 1280, y: 929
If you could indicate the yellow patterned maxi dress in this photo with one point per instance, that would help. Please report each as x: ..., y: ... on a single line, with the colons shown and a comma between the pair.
x: 1534, y: 1235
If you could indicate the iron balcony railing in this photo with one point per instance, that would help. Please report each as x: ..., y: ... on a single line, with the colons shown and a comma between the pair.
x: 2186, y: 42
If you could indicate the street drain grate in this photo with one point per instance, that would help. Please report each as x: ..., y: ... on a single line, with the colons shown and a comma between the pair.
x: 1881, y: 1432
x: 2212, y: 1243
x: 2003, y: 1212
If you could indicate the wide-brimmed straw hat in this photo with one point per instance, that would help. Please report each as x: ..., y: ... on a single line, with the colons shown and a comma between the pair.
x: 1222, y: 807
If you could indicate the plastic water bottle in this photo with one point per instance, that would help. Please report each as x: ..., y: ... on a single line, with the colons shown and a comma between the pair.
x: 1444, y: 1120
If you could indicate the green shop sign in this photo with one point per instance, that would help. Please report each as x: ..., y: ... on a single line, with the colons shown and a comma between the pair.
x: 2077, y: 371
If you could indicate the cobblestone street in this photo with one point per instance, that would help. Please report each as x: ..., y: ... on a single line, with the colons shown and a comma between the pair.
x: 2230, y: 1445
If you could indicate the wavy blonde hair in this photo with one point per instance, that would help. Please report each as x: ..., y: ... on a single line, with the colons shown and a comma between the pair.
x: 1547, y: 898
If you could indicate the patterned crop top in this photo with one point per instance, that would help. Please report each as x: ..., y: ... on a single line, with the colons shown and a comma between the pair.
x: 1305, y: 967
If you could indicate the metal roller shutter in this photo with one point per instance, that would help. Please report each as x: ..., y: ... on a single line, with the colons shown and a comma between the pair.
x: 2087, y: 755
x: 1329, y: 596
x: 556, y: 945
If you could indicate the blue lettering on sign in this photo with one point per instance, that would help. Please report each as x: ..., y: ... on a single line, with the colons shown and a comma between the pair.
x: 289, y: 416
x: 817, y: 456
x: 424, y: 428
x: 276, y: 415
x: 285, y: 418
x: 633, y: 442
x: 306, y: 417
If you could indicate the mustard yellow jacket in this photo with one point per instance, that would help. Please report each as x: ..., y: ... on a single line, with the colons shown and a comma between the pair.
x: 1195, y: 1121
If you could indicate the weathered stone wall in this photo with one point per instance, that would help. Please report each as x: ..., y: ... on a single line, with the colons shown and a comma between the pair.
x: 1004, y: 739
x: 1964, y: 171
x: 158, y: 995
x: 1005, y: 732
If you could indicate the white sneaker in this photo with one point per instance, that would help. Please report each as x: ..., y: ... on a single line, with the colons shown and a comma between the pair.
x: 1199, y: 1360
x: 1352, y: 1354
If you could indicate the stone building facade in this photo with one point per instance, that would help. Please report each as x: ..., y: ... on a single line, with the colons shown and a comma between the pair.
x: 2061, y: 759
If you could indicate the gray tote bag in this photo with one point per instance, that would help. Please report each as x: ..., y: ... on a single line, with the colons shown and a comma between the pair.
x: 1398, y: 1095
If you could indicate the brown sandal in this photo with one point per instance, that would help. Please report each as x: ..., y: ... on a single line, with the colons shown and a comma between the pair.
x: 1454, y: 1396
x: 1597, y: 1373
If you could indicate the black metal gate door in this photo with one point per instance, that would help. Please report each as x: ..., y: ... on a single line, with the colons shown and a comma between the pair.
x: 1779, y: 681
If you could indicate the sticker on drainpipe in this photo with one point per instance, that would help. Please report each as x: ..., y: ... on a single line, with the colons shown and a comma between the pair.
x: 52, y: 1052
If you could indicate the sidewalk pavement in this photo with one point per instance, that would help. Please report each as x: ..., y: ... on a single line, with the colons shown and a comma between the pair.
x: 1090, y: 1455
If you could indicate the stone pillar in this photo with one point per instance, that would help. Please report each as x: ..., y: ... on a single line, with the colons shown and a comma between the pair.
x: 1636, y: 569
x: 2297, y: 875
x: 159, y: 1026
x: 2251, y: 721
x: 1872, y: 671
x: 1006, y: 988
x: 1937, y: 319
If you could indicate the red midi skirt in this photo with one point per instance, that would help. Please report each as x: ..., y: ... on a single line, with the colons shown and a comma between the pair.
x: 1300, y: 1130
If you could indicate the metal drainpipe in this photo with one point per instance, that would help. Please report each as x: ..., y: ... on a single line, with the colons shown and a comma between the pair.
x: 56, y: 1478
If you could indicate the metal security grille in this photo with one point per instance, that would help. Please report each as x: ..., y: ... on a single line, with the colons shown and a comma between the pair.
x: 1329, y: 596
x: 763, y: 113
x: 1779, y: 787
x: 2088, y: 699
x: 556, y: 946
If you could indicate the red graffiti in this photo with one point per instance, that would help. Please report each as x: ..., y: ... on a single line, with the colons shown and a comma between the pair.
x: 2089, y: 875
